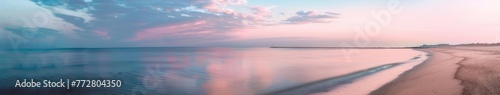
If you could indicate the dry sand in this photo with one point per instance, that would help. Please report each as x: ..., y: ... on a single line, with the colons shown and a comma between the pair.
x: 458, y: 70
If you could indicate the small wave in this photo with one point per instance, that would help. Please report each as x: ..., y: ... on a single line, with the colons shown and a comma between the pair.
x: 333, y: 82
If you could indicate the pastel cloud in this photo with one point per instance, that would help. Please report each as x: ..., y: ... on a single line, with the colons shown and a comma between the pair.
x: 140, y: 21
x: 82, y: 13
x: 210, y: 18
x: 220, y: 6
x: 32, y: 16
x: 103, y: 34
x: 302, y: 17
x: 171, y: 30
x: 260, y: 13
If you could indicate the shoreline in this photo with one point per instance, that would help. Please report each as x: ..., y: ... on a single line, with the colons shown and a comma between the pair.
x: 435, y: 75
x: 359, y: 82
x: 334, y: 82
x: 454, y: 70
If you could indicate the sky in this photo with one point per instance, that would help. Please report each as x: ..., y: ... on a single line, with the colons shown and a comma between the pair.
x: 245, y: 23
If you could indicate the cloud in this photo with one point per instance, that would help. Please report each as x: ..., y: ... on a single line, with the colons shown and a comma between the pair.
x: 303, y: 17
x: 262, y: 10
x: 220, y: 6
x: 103, y: 34
x: 260, y: 13
x: 134, y: 22
x: 29, y: 15
x: 170, y: 30
x: 82, y: 13
x: 178, y: 20
x: 87, y: 0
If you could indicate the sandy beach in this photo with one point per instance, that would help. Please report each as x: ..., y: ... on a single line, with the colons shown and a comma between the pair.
x: 456, y: 70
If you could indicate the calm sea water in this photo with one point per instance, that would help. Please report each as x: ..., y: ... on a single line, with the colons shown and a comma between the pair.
x: 198, y: 71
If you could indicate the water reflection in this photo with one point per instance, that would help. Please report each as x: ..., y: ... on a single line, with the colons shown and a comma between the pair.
x: 186, y: 71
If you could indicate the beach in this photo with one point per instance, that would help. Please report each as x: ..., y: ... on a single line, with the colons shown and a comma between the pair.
x: 452, y: 70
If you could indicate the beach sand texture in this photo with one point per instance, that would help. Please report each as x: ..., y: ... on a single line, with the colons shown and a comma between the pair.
x: 457, y: 70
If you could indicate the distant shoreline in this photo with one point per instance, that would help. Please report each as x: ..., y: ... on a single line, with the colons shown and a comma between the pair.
x: 350, y: 47
x: 454, y: 70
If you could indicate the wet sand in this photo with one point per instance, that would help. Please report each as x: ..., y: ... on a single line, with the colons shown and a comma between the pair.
x: 457, y: 70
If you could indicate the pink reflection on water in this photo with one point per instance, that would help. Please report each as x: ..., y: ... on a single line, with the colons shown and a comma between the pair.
x: 225, y: 71
x: 228, y: 74
x: 265, y: 70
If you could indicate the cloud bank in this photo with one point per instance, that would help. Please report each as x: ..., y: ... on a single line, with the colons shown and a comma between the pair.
x: 111, y: 23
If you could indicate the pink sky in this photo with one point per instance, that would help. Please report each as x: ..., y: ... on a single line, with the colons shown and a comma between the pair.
x: 423, y: 21
x: 255, y: 22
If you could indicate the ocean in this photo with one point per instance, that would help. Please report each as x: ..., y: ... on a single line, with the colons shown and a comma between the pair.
x: 208, y: 71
